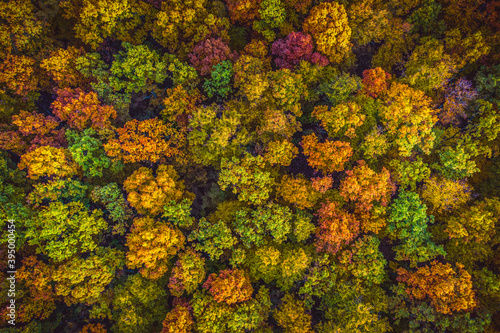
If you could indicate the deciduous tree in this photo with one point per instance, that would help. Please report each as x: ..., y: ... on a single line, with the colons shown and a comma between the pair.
x: 151, y: 245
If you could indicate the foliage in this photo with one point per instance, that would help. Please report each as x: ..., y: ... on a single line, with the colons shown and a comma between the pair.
x: 296, y: 47
x: 151, y: 245
x: 329, y: 156
x: 230, y: 286
x: 408, y: 119
x: 364, y: 261
x: 83, y: 280
x: 336, y: 228
x: 81, y: 110
x: 137, y: 69
x: 298, y: 191
x: 219, y: 84
x: 449, y: 290
x: 408, y: 222
x: 409, y: 173
x: 139, y: 305
x: 366, y: 187
x: 209, y: 53
x: 213, y: 238
x: 88, y: 152
x: 212, y: 316
x: 327, y: 24
x: 62, y: 231
x: 215, y: 136
x: 341, y: 120
x: 445, y: 194
x: 292, y: 316
x: 97, y: 21
x: 61, y: 66
x: 113, y: 200
x: 247, y: 178
x: 149, y: 194
x: 375, y: 81
x: 147, y: 140
x: 187, y: 274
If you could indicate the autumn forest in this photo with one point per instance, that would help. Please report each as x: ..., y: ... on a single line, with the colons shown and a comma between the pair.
x: 265, y: 166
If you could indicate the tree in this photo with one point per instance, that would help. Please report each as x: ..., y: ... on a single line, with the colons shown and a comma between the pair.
x: 284, y: 264
x: 62, y: 231
x: 63, y: 190
x: 341, y: 120
x: 61, y: 67
x: 375, y: 81
x: 230, y: 286
x: 35, y: 290
x: 336, y: 228
x: 327, y: 24
x: 82, y: 110
x: 339, y: 88
x: 147, y: 140
x: 298, y: 191
x: 296, y: 47
x: 213, y: 238
x: 208, y: 53
x: 280, y: 153
x: 456, y: 101
x: 329, y: 156
x: 216, y: 133
x: 220, y: 83
x: 96, y: 21
x: 83, y: 280
x: 445, y: 195
x: 364, y: 261
x: 187, y: 274
x: 292, y: 317
x: 212, y: 316
x: 181, y: 24
x: 34, y: 130
x: 366, y: 187
x: 137, y: 69
x: 149, y: 194
x: 254, y: 226
x: 22, y: 31
x: 273, y: 15
x: 353, y: 307
x: 408, y: 222
x: 447, y: 289
x: 409, y: 173
x: 429, y: 67
x: 408, y: 118
x: 243, y: 11
x: 151, y: 245
x: 88, y: 152
x: 247, y: 178
x: 112, y: 198
x: 18, y: 74
x: 474, y: 224
x: 139, y: 305
x: 179, y: 320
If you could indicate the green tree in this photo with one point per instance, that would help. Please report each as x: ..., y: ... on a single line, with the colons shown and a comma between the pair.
x: 62, y: 231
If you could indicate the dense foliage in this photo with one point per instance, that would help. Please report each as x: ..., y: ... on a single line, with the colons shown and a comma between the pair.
x: 216, y: 166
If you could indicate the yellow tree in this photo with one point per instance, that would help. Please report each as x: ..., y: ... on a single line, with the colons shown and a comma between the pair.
x: 48, y: 161
x: 151, y: 245
x: 328, y: 25
x: 408, y: 119
x: 149, y: 194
